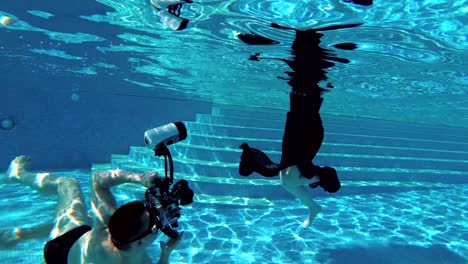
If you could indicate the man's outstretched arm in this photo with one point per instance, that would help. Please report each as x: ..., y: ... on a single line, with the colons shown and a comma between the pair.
x: 102, y: 199
x: 167, y: 248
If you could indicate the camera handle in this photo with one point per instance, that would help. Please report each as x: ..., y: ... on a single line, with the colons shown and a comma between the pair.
x: 162, y: 150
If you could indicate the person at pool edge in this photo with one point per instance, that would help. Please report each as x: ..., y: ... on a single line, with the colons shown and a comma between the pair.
x: 304, y: 132
x: 169, y: 13
x: 119, y: 235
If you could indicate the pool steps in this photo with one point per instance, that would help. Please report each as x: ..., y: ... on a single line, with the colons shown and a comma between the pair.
x: 371, y: 156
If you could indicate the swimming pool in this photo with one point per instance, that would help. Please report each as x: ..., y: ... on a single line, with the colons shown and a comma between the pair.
x: 82, y: 80
x: 402, y: 200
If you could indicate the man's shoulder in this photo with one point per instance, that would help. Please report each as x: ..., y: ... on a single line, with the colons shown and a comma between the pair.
x: 96, y: 246
x: 97, y: 235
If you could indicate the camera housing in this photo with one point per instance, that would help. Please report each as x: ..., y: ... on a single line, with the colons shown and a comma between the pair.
x: 165, y: 203
x: 162, y: 201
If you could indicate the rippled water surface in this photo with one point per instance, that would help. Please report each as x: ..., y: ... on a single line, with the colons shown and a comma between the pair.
x: 410, y: 64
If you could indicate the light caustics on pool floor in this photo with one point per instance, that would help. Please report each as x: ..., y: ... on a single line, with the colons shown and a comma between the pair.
x: 234, y: 232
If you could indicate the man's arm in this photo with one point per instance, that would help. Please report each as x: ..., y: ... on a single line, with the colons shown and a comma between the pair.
x: 102, y: 199
x: 167, y: 248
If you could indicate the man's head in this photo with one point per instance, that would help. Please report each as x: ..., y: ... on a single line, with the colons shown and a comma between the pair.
x: 132, y: 224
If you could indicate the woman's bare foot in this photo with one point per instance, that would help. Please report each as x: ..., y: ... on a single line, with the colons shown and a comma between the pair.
x: 307, y: 222
x: 18, y: 166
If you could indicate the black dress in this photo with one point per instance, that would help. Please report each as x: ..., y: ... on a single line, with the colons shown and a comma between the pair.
x: 303, y: 132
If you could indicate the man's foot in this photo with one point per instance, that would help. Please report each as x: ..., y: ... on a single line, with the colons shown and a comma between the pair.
x: 18, y: 166
x: 9, y: 238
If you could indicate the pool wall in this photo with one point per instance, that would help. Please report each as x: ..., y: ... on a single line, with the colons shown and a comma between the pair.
x: 62, y: 131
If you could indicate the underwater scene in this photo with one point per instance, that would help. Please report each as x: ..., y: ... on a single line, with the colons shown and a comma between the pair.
x: 184, y: 131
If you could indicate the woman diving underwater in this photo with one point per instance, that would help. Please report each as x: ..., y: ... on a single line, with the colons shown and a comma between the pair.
x: 304, y: 133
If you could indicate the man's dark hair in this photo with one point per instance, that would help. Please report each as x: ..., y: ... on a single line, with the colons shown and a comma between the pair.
x: 125, y: 223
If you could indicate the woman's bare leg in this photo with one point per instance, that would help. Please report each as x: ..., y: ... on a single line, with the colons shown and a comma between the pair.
x: 294, y: 182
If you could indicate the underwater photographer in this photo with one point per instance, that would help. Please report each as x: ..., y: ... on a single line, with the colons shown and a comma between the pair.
x: 108, y: 233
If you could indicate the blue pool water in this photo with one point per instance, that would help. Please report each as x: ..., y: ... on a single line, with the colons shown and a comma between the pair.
x: 80, y: 83
x: 402, y: 200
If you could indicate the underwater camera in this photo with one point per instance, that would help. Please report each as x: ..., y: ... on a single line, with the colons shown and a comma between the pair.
x: 160, y: 199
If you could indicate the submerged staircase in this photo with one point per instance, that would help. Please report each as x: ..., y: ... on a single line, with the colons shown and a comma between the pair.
x: 370, y: 155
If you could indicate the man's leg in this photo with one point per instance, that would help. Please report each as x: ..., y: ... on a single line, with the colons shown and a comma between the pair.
x: 71, y: 209
x: 44, y: 183
x: 10, y: 237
